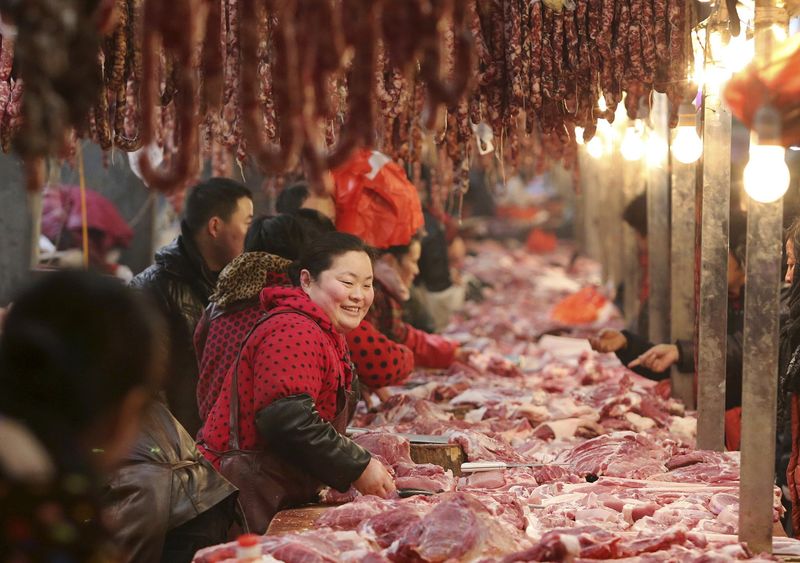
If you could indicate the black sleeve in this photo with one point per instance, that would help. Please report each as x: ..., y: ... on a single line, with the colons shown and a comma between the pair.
x: 295, y: 429
x: 635, y: 348
x: 685, y: 362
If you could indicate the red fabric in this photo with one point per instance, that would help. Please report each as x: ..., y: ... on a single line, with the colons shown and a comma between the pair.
x: 286, y: 355
x: 383, y: 210
x: 793, y: 471
x: 430, y: 350
x: 379, y: 361
x: 216, y: 344
x: 733, y: 429
x: 61, y: 211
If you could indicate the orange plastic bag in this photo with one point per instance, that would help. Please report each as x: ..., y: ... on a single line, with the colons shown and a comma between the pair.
x: 376, y: 201
x: 776, y: 83
x: 580, y: 308
x: 541, y: 242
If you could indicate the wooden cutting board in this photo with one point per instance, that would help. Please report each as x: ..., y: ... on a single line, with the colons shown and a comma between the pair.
x: 296, y: 519
x: 449, y: 456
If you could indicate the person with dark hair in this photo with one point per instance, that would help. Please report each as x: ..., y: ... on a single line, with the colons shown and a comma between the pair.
x: 74, y: 388
x: 789, y: 374
x: 395, y: 271
x: 216, y: 218
x: 653, y: 361
x: 635, y: 214
x: 292, y: 197
x: 299, y: 196
x: 295, y: 379
x: 282, y: 235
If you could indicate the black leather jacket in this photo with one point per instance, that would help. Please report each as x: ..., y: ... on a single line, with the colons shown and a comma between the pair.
x: 181, y: 284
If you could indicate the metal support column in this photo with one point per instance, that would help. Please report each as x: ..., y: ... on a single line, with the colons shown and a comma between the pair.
x: 760, y: 365
x: 631, y: 187
x: 713, y: 326
x: 658, y: 221
x: 682, y: 303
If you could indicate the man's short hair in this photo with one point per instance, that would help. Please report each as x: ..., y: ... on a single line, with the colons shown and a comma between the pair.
x: 292, y: 197
x: 635, y: 214
x: 217, y: 197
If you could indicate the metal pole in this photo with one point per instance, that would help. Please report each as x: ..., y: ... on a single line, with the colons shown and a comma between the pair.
x: 580, y: 204
x: 712, y: 329
x: 682, y: 304
x: 760, y: 362
x: 632, y: 181
x: 658, y: 223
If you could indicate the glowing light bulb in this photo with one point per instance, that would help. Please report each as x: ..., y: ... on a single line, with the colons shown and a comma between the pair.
x: 595, y: 147
x: 632, y: 147
x: 579, y: 135
x: 766, y: 176
x: 687, y: 146
x: 601, y: 103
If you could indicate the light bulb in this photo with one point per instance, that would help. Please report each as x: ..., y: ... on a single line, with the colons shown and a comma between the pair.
x: 687, y: 146
x: 601, y: 103
x: 632, y: 147
x: 595, y: 147
x: 766, y: 176
x: 579, y: 135
x: 715, y: 79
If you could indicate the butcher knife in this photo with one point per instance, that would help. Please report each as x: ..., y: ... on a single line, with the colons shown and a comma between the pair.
x: 477, y: 466
x: 413, y: 438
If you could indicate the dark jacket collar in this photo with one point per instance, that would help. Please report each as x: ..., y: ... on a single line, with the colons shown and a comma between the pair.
x: 182, y: 258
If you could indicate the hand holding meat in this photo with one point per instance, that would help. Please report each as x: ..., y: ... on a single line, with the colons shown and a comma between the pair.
x: 608, y: 340
x: 658, y: 358
x: 375, y: 480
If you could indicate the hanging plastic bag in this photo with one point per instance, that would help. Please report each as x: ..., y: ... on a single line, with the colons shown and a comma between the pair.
x: 376, y: 201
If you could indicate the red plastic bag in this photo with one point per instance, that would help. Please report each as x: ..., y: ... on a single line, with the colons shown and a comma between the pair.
x: 580, y: 308
x: 376, y: 201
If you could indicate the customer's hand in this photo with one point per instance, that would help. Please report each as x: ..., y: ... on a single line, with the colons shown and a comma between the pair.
x: 375, y: 480
x: 658, y: 358
x: 608, y: 340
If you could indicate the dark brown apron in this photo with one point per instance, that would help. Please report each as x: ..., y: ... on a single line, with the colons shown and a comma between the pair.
x: 267, y: 482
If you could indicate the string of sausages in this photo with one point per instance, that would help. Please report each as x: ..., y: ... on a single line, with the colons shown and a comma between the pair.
x: 298, y: 85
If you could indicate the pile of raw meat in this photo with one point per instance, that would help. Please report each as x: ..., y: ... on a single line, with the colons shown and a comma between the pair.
x: 613, y: 476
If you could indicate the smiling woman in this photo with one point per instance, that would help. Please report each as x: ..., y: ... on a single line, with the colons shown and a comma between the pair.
x: 296, y: 384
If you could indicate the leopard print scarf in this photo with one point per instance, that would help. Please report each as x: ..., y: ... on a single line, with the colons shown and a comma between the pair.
x: 247, y: 275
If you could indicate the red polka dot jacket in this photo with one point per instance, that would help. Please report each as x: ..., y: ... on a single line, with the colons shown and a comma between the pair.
x: 286, y: 355
x: 430, y: 350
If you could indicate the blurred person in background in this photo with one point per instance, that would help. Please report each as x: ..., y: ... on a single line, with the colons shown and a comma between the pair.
x: 216, y: 218
x: 75, y: 386
x: 299, y: 196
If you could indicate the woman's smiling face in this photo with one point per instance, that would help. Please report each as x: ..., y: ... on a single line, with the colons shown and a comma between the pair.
x: 343, y: 291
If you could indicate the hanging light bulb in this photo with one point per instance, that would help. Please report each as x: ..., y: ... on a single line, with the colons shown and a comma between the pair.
x: 687, y: 146
x: 601, y: 103
x: 766, y: 176
x: 595, y: 147
x: 579, y: 135
x: 632, y: 147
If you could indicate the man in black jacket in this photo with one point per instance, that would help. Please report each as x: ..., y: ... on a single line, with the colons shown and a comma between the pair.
x: 218, y: 214
x: 167, y: 501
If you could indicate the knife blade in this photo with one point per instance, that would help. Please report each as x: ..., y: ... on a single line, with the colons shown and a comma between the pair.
x: 413, y: 438
x: 477, y: 466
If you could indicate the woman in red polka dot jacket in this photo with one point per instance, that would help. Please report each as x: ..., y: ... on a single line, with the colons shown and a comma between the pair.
x: 293, y: 381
